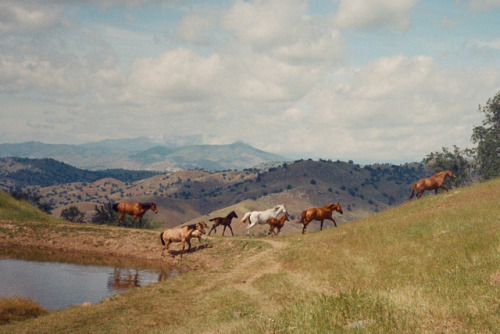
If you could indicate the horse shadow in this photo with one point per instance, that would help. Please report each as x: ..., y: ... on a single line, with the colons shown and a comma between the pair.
x: 175, y: 252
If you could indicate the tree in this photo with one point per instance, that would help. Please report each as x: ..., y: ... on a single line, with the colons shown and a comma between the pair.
x: 73, y: 214
x: 459, y: 161
x: 105, y: 214
x: 487, y: 138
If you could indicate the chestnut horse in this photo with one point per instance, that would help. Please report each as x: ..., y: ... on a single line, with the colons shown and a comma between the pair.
x: 226, y: 221
x: 133, y: 209
x: 320, y: 214
x: 276, y: 223
x: 434, y: 182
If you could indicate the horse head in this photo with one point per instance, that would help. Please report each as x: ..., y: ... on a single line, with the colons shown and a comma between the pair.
x: 201, y: 226
x: 232, y: 214
x: 449, y: 173
x: 153, y: 208
x: 281, y: 209
x: 336, y: 207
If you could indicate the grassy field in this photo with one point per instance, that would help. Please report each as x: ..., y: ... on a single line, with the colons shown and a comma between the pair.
x: 431, y: 265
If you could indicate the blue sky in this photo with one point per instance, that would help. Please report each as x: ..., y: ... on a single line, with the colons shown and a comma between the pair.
x: 367, y: 80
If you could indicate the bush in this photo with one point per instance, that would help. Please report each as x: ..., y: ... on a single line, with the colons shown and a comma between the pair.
x: 73, y: 215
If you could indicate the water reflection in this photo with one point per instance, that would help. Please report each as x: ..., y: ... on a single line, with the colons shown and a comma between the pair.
x: 59, y: 279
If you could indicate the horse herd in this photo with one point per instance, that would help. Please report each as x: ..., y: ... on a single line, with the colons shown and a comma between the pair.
x: 270, y: 216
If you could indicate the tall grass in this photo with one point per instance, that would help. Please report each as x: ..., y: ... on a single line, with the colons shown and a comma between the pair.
x: 17, y: 309
x: 431, y: 260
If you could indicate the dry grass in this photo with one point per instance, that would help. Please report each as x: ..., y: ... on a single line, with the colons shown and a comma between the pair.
x: 426, y: 266
x: 18, y: 309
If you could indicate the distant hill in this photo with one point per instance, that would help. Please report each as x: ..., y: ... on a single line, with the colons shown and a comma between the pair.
x: 142, y: 154
x: 188, y: 195
x: 17, y: 173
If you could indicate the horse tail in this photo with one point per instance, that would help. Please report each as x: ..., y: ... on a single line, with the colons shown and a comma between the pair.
x: 161, y: 238
x: 115, y: 206
x: 412, y: 191
x: 211, y: 220
x: 245, y: 218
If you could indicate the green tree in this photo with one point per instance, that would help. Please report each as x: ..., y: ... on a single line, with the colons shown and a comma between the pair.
x: 487, y: 138
x: 104, y: 214
x: 72, y: 214
x: 459, y: 161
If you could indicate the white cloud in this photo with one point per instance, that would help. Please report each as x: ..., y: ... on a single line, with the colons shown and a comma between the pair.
x: 178, y: 74
x: 28, y: 16
x: 399, y: 107
x: 366, y: 14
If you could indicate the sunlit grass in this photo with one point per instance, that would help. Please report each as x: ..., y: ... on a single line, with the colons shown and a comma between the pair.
x: 11, y: 209
x: 430, y: 265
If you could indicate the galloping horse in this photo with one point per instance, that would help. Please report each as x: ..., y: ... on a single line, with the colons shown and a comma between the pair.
x: 133, y: 209
x: 261, y: 217
x: 276, y: 223
x: 226, y: 221
x: 320, y: 214
x: 434, y: 182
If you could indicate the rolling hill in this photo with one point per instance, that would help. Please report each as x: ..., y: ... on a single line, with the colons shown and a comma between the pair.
x: 189, y: 194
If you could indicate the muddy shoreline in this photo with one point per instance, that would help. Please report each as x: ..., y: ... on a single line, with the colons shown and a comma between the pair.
x: 96, y: 240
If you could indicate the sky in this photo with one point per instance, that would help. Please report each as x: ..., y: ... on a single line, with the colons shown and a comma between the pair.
x: 363, y: 80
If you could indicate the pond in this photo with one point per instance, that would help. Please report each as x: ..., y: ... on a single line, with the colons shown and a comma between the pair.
x: 57, y: 280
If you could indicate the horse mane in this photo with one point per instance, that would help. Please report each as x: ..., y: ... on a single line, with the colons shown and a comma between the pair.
x: 146, y: 205
x: 191, y: 227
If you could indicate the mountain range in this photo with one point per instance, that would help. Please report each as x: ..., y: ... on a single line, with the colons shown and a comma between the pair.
x: 143, y: 154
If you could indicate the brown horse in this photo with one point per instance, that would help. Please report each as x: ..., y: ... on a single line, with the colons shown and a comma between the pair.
x: 434, y: 182
x: 320, y: 214
x: 226, y: 221
x: 276, y: 223
x: 133, y: 209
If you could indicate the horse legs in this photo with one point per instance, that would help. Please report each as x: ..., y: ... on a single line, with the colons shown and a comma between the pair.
x: 121, y: 218
x: 250, y: 225
x: 183, y: 244
x: 167, y: 243
x: 133, y: 221
x: 321, y: 227
x: 224, y: 230
x: 231, y: 230
x: 212, y: 229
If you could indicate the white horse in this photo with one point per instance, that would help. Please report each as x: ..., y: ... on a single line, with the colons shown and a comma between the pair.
x: 261, y: 217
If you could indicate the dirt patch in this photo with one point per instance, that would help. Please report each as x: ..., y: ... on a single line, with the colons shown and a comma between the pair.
x: 144, y: 245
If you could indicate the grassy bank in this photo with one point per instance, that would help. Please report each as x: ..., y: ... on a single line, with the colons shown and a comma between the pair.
x: 430, y: 265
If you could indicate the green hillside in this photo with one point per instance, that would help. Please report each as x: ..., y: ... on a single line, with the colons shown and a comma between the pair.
x: 430, y: 265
